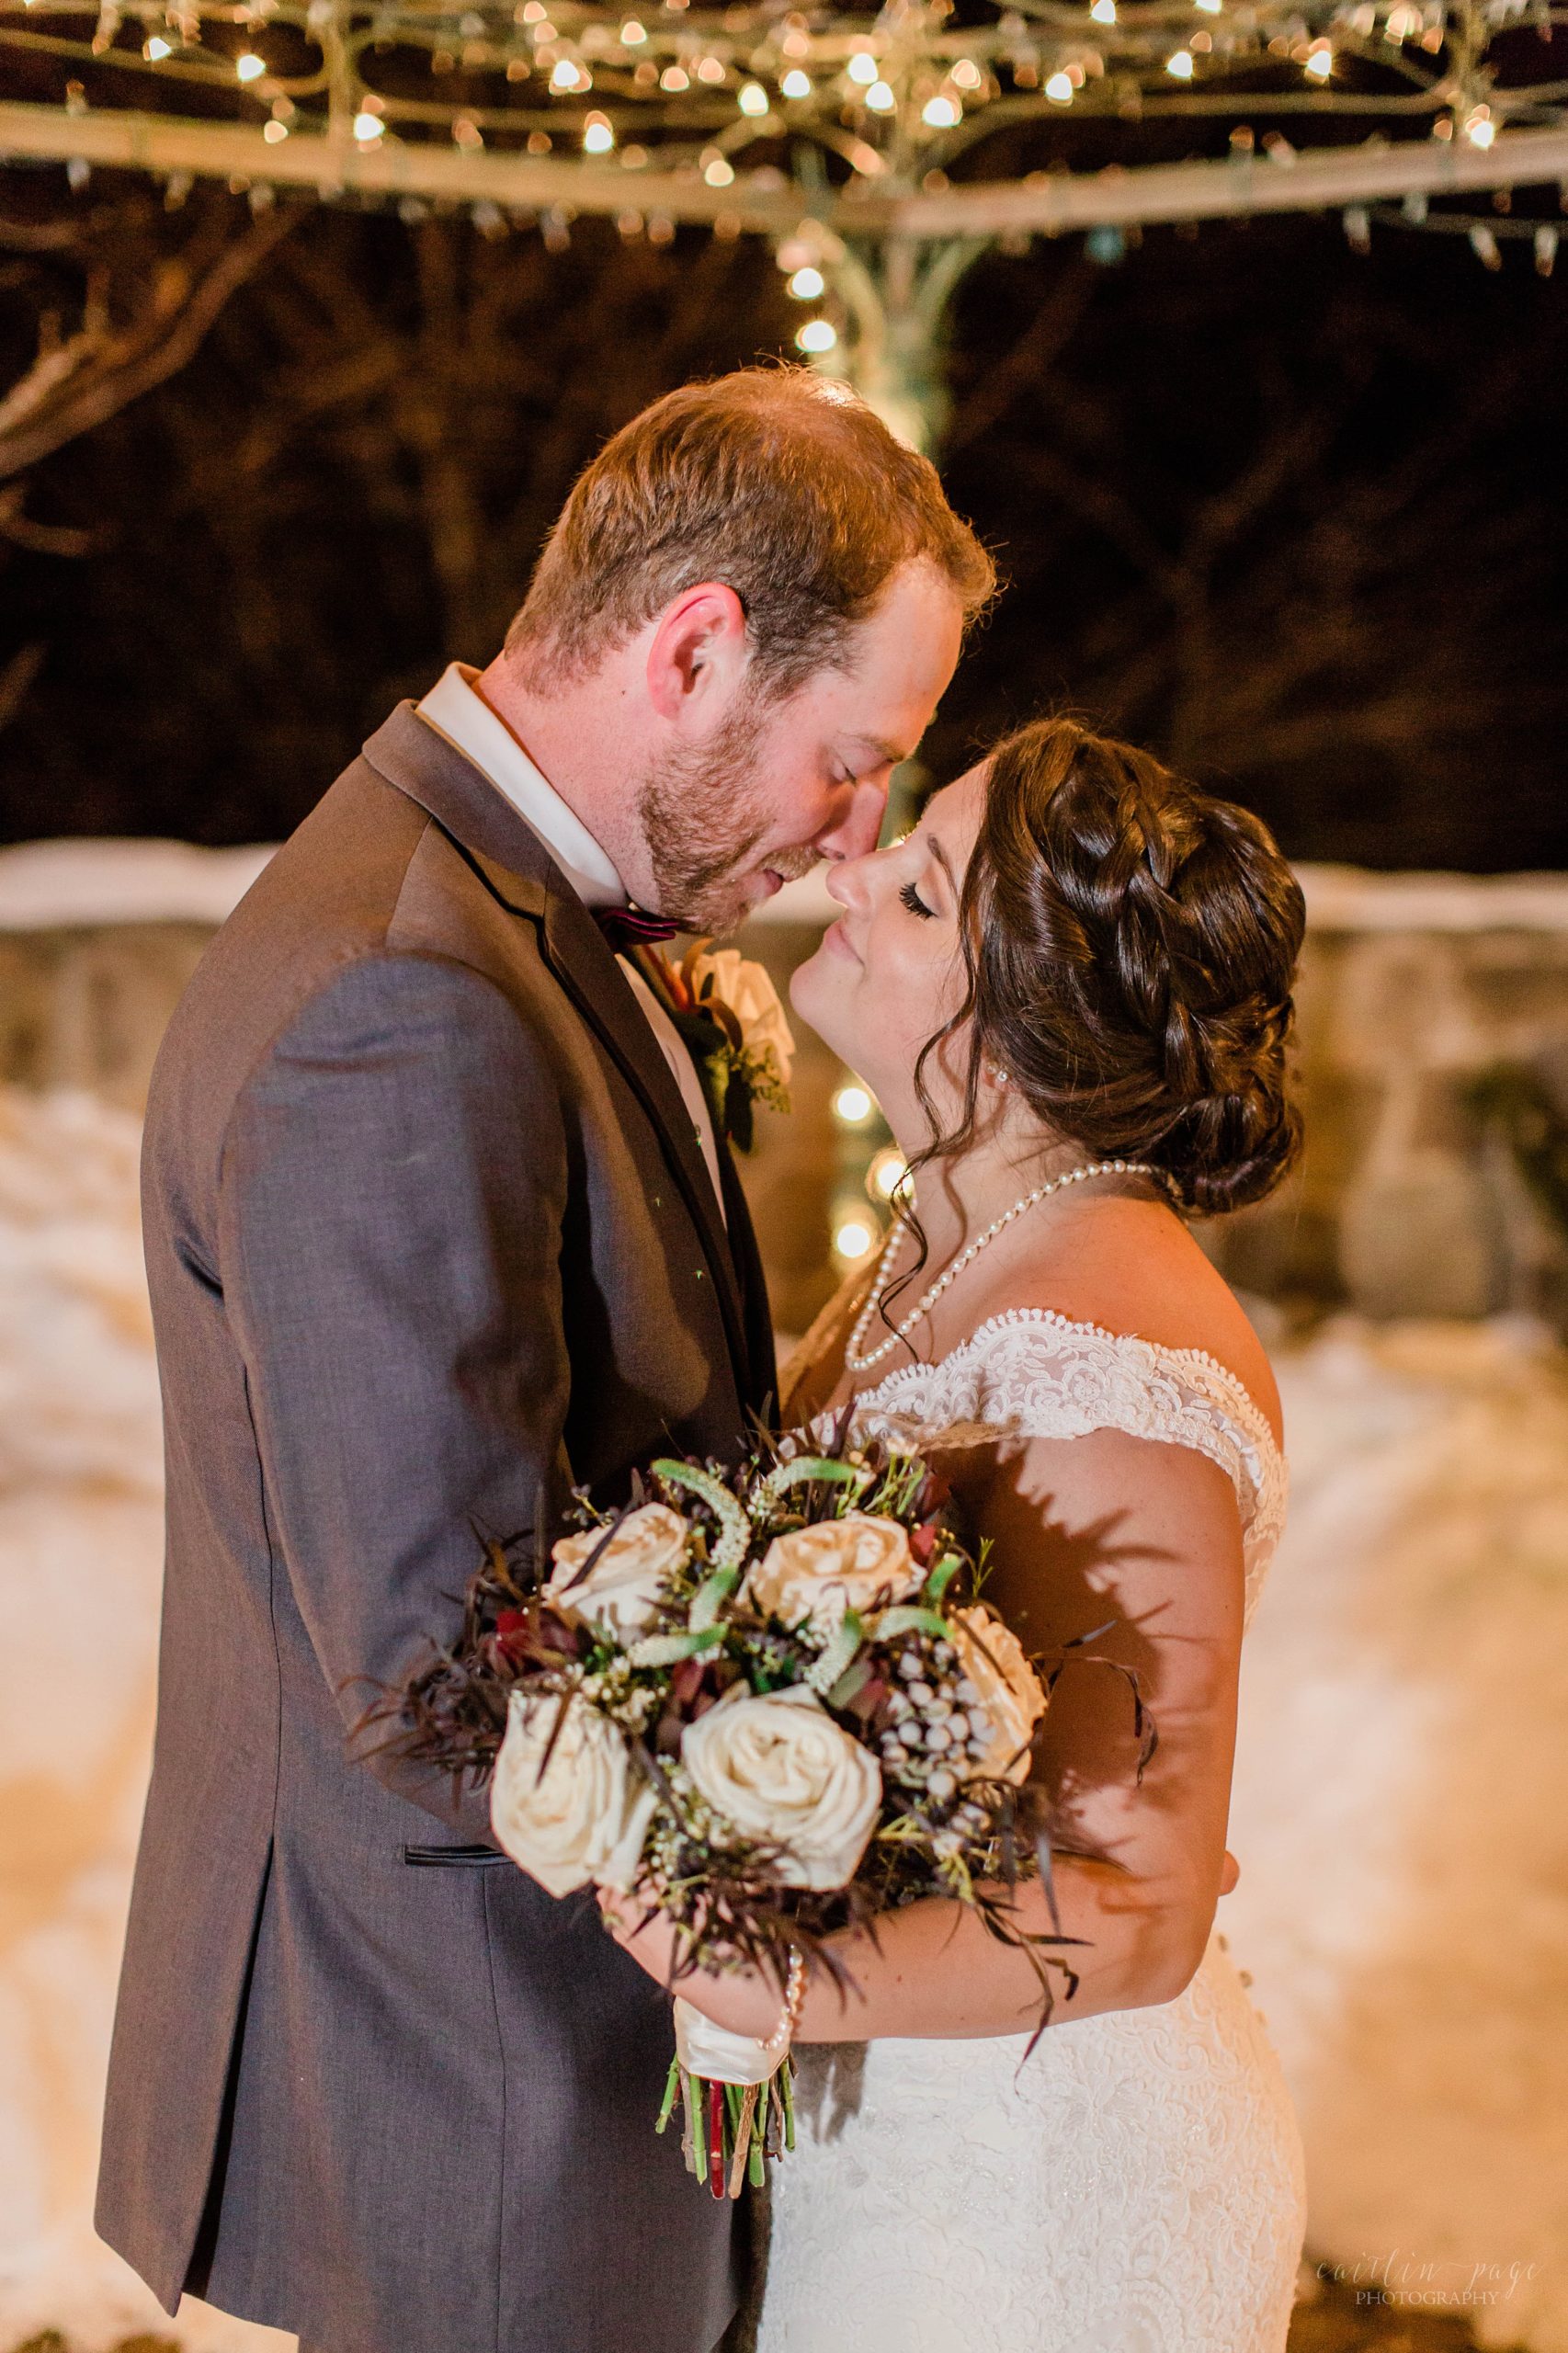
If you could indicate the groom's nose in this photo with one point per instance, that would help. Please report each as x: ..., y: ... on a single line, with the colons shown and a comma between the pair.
x: 852, y: 831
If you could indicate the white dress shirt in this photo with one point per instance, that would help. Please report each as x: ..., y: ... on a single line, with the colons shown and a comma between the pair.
x: 454, y: 710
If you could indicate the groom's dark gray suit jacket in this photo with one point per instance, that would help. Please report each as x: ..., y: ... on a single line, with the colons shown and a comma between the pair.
x: 430, y: 1239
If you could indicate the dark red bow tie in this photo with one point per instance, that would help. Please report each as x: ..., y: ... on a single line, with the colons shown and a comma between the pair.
x: 627, y: 927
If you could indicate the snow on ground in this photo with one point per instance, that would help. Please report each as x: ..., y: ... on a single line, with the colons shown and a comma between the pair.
x: 1404, y: 1903
x: 1399, y: 1812
x: 81, y: 1541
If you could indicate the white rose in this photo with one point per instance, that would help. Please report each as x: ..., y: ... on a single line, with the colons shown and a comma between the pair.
x: 780, y: 1768
x: 622, y: 1590
x: 587, y: 1816
x: 1012, y: 1698
x: 751, y: 996
x: 818, y: 1573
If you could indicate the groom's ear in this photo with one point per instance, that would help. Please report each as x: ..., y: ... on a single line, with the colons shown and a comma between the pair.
x: 697, y: 652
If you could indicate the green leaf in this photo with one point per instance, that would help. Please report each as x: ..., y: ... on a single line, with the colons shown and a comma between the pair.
x: 668, y: 1650
x: 710, y: 1598
x: 908, y: 1620
x: 941, y: 1577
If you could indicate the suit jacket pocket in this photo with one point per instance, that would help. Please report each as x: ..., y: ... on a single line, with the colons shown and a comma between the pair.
x: 454, y: 1858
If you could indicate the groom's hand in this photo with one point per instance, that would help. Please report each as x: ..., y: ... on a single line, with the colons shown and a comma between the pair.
x: 1230, y: 1871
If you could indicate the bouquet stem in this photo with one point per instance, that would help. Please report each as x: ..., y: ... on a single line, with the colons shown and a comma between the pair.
x: 730, y: 2130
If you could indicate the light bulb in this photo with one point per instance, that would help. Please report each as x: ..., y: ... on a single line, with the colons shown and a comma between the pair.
x: 754, y: 98
x: 861, y: 68
x: 796, y: 84
x: 632, y: 34
x: 967, y: 74
x: 598, y: 136
x: 1180, y: 65
x: 941, y: 112
x: 1320, y: 63
x: 156, y: 49
x: 853, y: 1105
x: 249, y: 66
x: 1103, y: 12
x: 816, y: 336
x: 719, y: 173
x: 1481, y: 130
x: 852, y: 1238
x: 1059, y: 90
x: 880, y: 99
x: 807, y: 284
x: 368, y: 126
x: 887, y: 1172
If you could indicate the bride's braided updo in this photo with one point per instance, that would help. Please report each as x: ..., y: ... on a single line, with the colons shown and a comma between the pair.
x: 1130, y: 945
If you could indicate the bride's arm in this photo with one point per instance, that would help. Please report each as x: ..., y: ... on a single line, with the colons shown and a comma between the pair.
x: 1098, y: 1527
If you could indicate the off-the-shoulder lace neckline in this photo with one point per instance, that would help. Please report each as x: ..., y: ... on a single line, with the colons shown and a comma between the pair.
x: 1253, y: 1415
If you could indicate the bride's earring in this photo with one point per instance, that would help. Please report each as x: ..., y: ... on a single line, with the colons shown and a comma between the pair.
x: 997, y: 1076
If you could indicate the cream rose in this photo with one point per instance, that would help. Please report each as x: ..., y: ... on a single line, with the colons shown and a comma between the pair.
x: 622, y: 1590
x: 834, y: 1565
x: 751, y: 996
x: 588, y: 1817
x: 1011, y: 1697
x: 779, y: 1768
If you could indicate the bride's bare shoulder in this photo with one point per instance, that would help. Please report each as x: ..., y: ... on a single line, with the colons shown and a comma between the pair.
x: 1134, y: 1267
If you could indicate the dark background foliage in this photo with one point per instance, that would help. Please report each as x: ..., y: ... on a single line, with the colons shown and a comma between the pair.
x: 1294, y: 515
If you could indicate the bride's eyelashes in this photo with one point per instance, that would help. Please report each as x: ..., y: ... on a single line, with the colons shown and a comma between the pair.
x: 911, y: 899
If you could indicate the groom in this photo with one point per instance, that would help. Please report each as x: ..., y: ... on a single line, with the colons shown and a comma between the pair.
x: 438, y: 1226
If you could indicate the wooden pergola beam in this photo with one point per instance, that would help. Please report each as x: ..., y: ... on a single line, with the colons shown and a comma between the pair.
x: 1045, y: 204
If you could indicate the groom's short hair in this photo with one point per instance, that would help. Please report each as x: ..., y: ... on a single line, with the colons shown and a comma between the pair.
x: 780, y: 484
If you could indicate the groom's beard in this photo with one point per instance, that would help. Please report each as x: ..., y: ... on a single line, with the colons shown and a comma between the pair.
x: 704, y: 816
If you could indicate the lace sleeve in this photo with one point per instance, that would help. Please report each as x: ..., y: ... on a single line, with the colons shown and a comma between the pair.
x: 1031, y: 1374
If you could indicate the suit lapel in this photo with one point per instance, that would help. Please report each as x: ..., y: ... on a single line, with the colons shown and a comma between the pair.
x: 515, y: 867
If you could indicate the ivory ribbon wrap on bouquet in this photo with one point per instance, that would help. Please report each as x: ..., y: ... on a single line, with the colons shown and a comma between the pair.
x: 718, y: 2056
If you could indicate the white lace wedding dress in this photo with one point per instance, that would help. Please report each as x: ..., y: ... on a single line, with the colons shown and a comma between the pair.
x: 1136, y: 2186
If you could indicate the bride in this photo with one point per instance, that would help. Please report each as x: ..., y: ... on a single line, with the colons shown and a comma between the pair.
x: 1070, y: 989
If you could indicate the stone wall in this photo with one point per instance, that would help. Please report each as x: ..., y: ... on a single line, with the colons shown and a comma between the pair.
x: 1412, y: 988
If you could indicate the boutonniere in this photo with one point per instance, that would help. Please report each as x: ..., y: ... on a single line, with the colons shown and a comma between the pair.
x: 727, y: 1010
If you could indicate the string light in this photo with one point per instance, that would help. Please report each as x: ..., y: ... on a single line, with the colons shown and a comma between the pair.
x: 807, y: 284
x: 941, y: 112
x: 598, y: 135
x: 752, y: 98
x: 796, y: 84
x: 367, y: 128
x: 853, y: 1105
x: 1319, y: 59
x: 887, y: 1173
x: 1059, y: 89
x: 1180, y: 65
x: 854, y: 1238
x: 249, y: 66
x: 1103, y: 12
x: 817, y: 337
x: 879, y: 98
x: 861, y: 67
x: 156, y: 47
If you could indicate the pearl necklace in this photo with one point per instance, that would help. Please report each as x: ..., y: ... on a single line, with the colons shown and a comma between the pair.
x: 861, y: 1361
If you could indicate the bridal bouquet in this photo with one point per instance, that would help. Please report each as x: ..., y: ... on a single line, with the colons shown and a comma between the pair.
x: 766, y: 1702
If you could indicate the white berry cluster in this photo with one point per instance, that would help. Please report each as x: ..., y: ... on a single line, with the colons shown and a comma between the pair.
x: 939, y: 1733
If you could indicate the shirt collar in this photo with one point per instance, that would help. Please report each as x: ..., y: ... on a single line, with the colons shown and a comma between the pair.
x: 459, y: 713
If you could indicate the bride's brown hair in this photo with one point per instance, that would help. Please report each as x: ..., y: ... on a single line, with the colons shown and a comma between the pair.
x: 1130, y: 946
